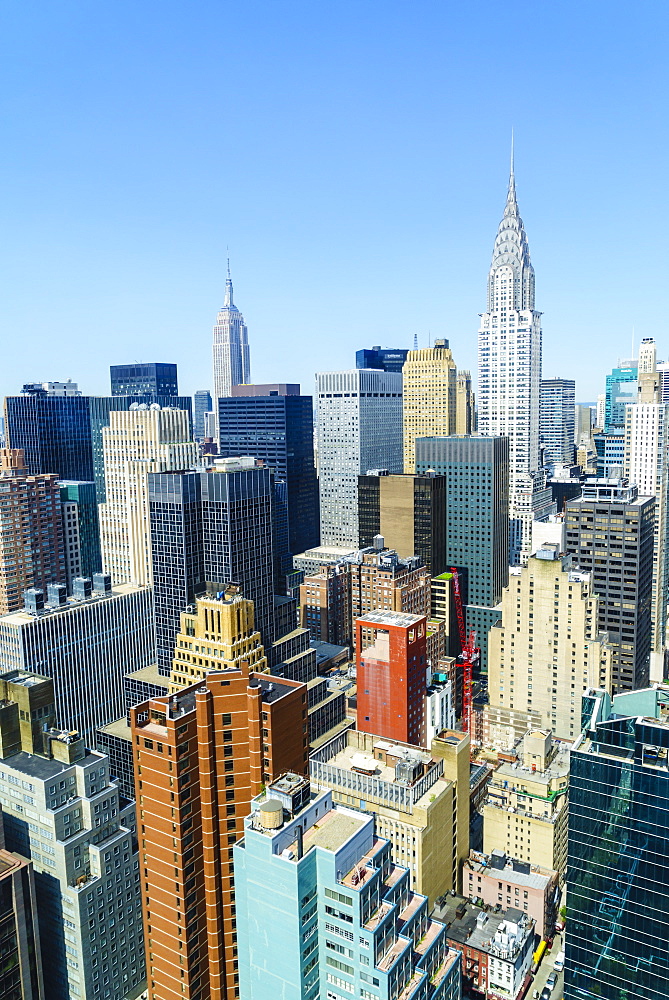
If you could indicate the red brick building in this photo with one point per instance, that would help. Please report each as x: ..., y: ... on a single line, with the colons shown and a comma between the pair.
x: 391, y: 675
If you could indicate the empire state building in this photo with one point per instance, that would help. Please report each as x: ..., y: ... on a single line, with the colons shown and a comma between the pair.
x: 509, y: 369
x: 231, y: 346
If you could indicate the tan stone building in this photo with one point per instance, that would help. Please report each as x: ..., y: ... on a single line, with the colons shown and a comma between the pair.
x: 135, y: 443
x: 525, y: 813
x: 432, y: 398
x: 545, y: 652
x: 420, y: 798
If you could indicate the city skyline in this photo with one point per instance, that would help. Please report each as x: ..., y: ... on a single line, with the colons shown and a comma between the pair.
x: 137, y: 214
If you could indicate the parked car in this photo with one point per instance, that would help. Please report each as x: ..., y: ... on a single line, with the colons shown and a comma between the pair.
x: 551, y: 981
x: 558, y: 964
x: 545, y: 993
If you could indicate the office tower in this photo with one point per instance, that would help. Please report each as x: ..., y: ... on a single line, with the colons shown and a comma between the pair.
x: 32, y: 550
x: 314, y: 560
x: 419, y: 795
x: 557, y: 402
x: 81, y: 530
x: 476, y: 470
x: 510, y: 373
x: 68, y: 388
x: 267, y: 389
x: 336, y: 916
x: 325, y: 605
x: 359, y: 428
x: 21, y: 971
x: 209, y: 529
x: 600, y: 412
x: 225, y: 635
x: 525, y: 813
x: 380, y: 580
x: 202, y: 404
x: 409, y: 511
x: 63, y: 434
x: 430, y: 398
x: 545, y: 651
x: 144, y: 379
x: 385, y: 359
x: 621, y: 389
x: 533, y: 890
x: 391, y: 675
x: 648, y: 379
x: 136, y: 443
x: 232, y: 365
x: 277, y: 427
x: 85, y: 644
x: 610, y: 450
x: 228, y: 736
x: 616, y: 943
x: 80, y: 835
x: 465, y: 404
x: 610, y: 534
x: 646, y: 464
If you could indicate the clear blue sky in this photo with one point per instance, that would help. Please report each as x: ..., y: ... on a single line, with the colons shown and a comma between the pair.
x: 352, y: 155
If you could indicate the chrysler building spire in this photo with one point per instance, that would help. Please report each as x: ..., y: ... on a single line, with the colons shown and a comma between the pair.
x: 231, y: 346
x: 510, y: 371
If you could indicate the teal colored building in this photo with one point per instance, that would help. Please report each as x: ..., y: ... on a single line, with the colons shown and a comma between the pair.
x: 83, y: 496
x: 324, y: 912
x: 621, y: 389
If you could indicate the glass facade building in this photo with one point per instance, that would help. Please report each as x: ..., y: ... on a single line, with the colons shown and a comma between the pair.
x: 201, y: 404
x: 617, y: 945
x: 388, y: 359
x: 621, y: 389
x: 144, y: 379
x: 82, y: 495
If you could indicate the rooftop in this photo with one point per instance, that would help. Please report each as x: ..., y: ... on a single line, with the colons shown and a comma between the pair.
x: 333, y: 830
x: 43, y: 768
x: 398, y: 618
x: 23, y: 617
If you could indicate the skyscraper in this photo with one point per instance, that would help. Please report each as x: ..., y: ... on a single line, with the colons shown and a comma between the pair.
x: 144, y: 379
x: 387, y: 359
x: 557, y: 401
x: 232, y: 365
x: 621, y: 389
x: 32, y: 550
x: 225, y: 737
x: 202, y: 404
x: 430, y: 399
x: 618, y: 850
x: 81, y: 530
x: 359, y: 428
x: 278, y: 428
x: 510, y: 373
x: 137, y: 442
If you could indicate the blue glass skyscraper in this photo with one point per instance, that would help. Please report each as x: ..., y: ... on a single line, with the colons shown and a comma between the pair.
x: 621, y: 389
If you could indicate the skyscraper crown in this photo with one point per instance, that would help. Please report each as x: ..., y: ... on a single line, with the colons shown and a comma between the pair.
x: 512, y: 250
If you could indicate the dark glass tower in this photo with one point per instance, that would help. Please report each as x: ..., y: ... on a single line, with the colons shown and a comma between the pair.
x: 154, y: 379
x: 203, y: 404
x: 476, y: 470
x: 616, y: 940
x: 279, y: 430
x: 83, y: 495
x: 209, y: 529
x: 388, y: 359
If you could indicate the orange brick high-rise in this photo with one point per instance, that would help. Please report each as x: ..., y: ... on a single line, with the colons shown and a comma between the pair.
x: 200, y: 756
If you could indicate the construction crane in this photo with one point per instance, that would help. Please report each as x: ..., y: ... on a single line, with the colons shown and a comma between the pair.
x: 469, y: 656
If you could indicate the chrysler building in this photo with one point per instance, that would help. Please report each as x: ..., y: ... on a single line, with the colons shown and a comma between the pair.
x: 231, y: 346
x: 509, y: 366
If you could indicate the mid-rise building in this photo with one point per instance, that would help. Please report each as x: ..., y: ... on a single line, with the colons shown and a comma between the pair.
x: 391, y: 675
x: 68, y: 388
x: 144, y: 379
x: 621, y: 390
x: 209, y: 529
x: 325, y: 604
x: 386, y: 359
x: 476, y: 471
x: 510, y: 373
x: 359, y: 428
x: 430, y: 399
x: 419, y: 796
x: 335, y: 914
x: 232, y: 363
x: 618, y: 904
x: 646, y: 464
x: 557, y: 401
x: 313, y: 560
x: 81, y: 531
x: 545, y: 651
x: 61, y: 810
x: 610, y: 450
x: 202, y: 403
x: 277, y: 428
x: 525, y: 813
x: 21, y: 973
x: 85, y: 644
x: 32, y: 546
x: 136, y: 443
x: 498, y: 880
x: 610, y: 534
x: 409, y: 512
x: 228, y: 736
x: 381, y: 581
x: 465, y: 403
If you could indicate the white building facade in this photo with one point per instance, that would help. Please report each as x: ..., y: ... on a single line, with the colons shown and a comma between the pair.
x: 232, y: 365
x: 509, y: 368
x: 359, y: 428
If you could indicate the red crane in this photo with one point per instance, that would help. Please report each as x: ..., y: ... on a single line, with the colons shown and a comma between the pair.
x: 469, y: 655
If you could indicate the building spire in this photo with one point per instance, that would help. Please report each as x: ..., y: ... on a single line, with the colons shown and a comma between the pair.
x: 511, y: 203
x: 228, y: 288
